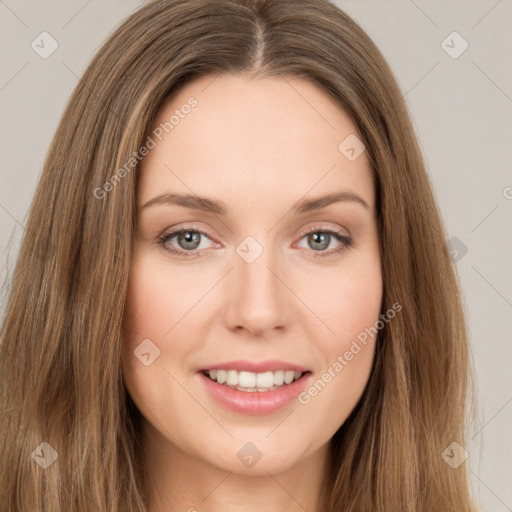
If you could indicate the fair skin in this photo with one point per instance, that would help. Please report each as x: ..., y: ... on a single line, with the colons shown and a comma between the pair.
x: 259, y: 146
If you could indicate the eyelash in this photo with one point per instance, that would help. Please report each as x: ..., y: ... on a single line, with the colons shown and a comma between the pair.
x: 164, y: 238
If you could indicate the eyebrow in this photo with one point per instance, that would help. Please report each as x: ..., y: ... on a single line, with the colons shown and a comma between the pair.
x: 208, y: 205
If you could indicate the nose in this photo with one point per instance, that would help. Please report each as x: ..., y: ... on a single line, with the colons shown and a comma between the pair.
x: 257, y: 298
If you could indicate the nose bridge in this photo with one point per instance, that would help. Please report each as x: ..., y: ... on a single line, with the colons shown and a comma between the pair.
x: 258, y: 298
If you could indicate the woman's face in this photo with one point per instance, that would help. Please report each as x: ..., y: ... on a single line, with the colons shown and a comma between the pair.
x: 267, y: 289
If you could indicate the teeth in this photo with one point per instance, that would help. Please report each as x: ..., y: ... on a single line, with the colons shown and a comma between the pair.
x: 249, y: 381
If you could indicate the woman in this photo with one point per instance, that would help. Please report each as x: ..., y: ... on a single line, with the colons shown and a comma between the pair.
x: 234, y: 291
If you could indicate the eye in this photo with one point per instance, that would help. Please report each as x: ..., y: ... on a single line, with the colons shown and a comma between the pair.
x: 187, y: 238
x: 320, y: 238
x: 188, y: 241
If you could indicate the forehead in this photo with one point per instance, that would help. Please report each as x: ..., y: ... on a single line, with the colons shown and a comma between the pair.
x: 249, y: 140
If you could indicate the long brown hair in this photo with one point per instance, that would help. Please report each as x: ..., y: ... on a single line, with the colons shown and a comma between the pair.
x: 60, y: 353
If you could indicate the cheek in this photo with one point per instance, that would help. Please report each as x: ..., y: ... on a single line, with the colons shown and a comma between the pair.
x: 156, y: 300
x: 149, y: 307
x: 153, y: 306
x: 350, y: 306
x: 359, y: 301
x: 347, y: 299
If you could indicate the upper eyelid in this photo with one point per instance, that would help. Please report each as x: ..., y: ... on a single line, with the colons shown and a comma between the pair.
x: 317, y: 227
x: 323, y: 227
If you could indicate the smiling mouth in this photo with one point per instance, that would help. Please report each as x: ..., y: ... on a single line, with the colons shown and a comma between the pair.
x: 254, y: 382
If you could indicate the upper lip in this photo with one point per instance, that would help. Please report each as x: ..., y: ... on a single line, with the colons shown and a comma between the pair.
x: 256, y: 367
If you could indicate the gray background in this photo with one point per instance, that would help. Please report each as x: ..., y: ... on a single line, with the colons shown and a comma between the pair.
x: 461, y: 109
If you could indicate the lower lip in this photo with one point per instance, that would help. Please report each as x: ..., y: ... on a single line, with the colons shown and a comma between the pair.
x: 257, y: 402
